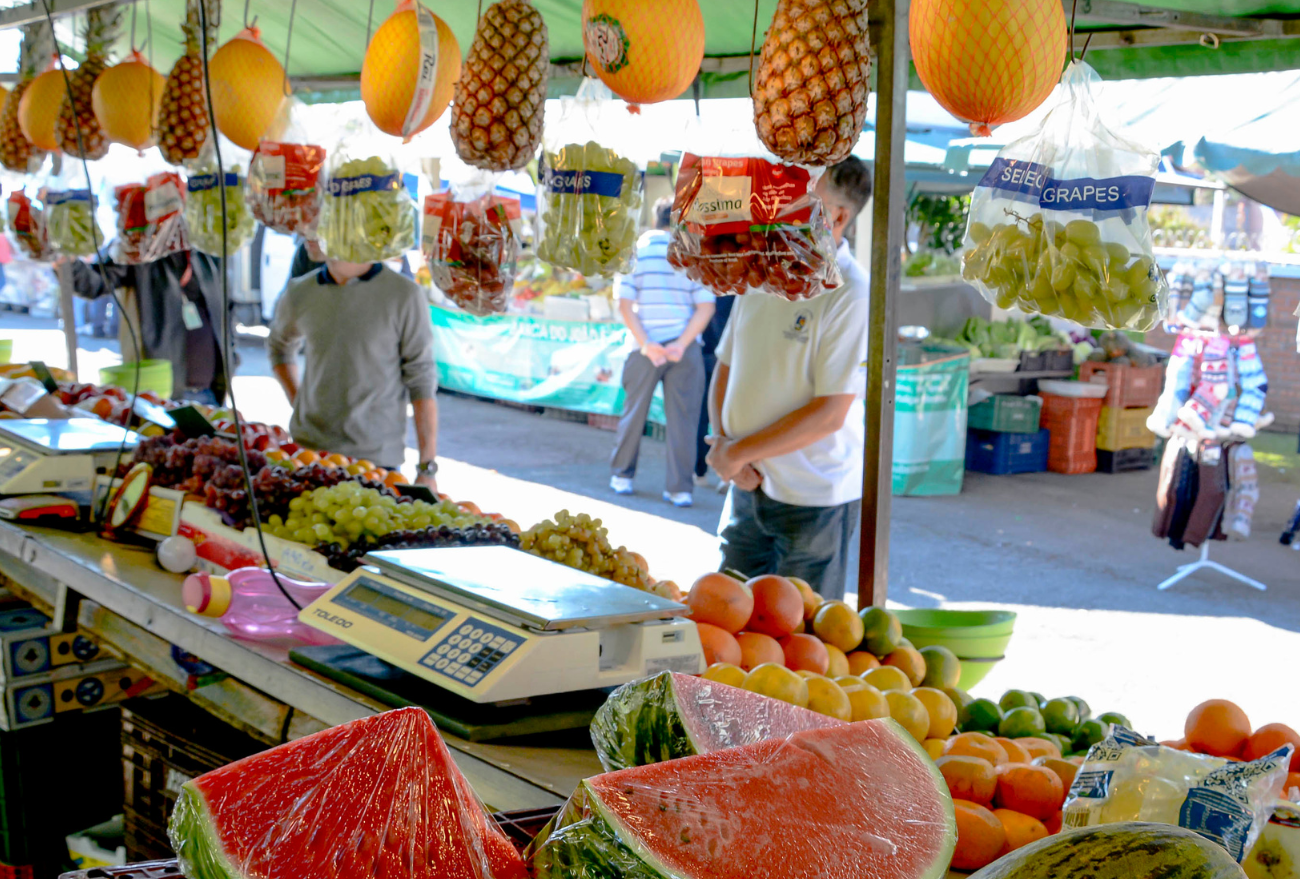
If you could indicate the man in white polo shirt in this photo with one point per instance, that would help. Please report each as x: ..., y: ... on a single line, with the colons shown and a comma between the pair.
x: 788, y: 392
x: 665, y: 311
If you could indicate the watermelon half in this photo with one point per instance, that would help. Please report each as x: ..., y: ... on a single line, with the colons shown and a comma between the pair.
x: 378, y: 796
x: 674, y: 715
x: 847, y: 802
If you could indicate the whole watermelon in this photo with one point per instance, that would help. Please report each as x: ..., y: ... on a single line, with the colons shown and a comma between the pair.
x: 1128, y: 850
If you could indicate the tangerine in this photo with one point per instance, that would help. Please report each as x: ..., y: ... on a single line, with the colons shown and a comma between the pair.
x: 1217, y: 727
x: 837, y: 624
x: 1064, y: 769
x: 805, y: 652
x: 811, y: 600
x: 910, y: 713
x: 756, y: 649
x: 969, y: 778
x: 980, y: 836
x: 1053, y: 824
x: 888, y: 678
x: 1268, y: 738
x: 861, y: 662
x: 721, y: 601
x: 724, y: 673
x: 826, y: 697
x: 1021, y: 829
x: 943, y: 714
x: 867, y: 702
x: 839, y: 663
x: 719, y: 645
x: 1036, y: 747
x: 778, y: 606
x: 1015, y: 753
x: 975, y: 744
x: 910, y: 661
x: 933, y: 747
x: 778, y: 682
x: 1292, y: 780
x: 1034, y: 790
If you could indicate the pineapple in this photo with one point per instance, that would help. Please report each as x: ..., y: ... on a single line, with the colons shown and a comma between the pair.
x: 16, y: 151
x: 810, y: 89
x: 183, y: 121
x: 103, y: 24
x: 501, y: 94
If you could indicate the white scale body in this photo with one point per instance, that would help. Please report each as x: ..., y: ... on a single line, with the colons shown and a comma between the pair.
x: 495, y: 624
x: 51, y: 455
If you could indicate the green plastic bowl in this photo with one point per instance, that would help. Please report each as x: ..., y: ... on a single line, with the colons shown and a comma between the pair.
x: 978, y: 637
x: 155, y: 375
x: 6, y: 350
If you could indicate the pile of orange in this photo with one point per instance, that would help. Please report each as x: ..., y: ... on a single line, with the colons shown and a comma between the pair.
x: 1222, y: 729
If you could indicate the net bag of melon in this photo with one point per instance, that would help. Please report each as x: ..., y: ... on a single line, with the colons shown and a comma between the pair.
x: 284, y: 178
x: 203, y: 210
x: 150, y: 218
x: 471, y: 244
x: 747, y: 224
x: 27, y: 225
x: 70, y: 212
x: 1058, y: 224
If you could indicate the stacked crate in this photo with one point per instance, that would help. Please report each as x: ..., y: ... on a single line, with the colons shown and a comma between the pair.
x: 1003, y: 436
x: 1123, y: 441
x: 1072, y: 423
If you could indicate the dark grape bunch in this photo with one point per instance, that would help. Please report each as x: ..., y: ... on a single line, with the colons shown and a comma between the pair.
x: 486, y: 534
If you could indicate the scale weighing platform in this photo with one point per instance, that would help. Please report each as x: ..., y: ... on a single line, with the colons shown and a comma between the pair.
x: 40, y: 455
x: 496, y: 624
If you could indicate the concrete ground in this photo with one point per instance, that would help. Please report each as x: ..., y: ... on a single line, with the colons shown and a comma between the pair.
x: 1072, y: 555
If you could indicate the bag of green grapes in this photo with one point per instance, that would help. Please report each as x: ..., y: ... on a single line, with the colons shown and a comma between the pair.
x: 369, y: 210
x: 70, y: 211
x: 1058, y: 225
x: 203, y: 210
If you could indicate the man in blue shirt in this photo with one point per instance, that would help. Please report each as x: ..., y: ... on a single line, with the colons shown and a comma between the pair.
x: 665, y: 312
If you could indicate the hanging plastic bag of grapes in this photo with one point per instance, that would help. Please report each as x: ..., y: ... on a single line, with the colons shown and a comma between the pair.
x: 150, y: 218
x: 1058, y: 224
x: 369, y: 210
x: 70, y: 211
x: 589, y: 195
x: 470, y: 238
x: 27, y: 226
x: 284, y: 177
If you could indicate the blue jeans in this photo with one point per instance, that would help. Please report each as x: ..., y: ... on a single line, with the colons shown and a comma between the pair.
x: 760, y: 535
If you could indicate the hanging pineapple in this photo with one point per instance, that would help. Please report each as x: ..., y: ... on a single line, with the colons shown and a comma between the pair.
x: 103, y: 25
x: 16, y: 152
x: 500, y: 99
x: 810, y: 89
x: 183, y: 121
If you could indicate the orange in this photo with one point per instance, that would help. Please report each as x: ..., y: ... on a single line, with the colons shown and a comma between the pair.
x: 943, y: 714
x: 721, y: 601
x: 719, y: 645
x: 723, y: 673
x: 1034, y: 790
x: 1053, y: 824
x: 1268, y: 738
x: 839, y: 663
x: 1015, y: 753
x: 1064, y: 769
x: 969, y: 778
x: 836, y: 623
x: 1292, y: 780
x: 868, y: 703
x: 980, y: 836
x: 394, y: 478
x: 1217, y: 727
x: 1036, y: 747
x: 337, y: 460
x: 1177, y: 744
x: 910, y: 661
x: 910, y: 713
x: 974, y: 744
x: 826, y: 697
x: 306, y: 456
x: 805, y: 653
x: 888, y: 678
x: 811, y: 600
x: 861, y: 662
x: 778, y: 682
x: 778, y: 606
x: 1020, y: 829
x: 756, y: 649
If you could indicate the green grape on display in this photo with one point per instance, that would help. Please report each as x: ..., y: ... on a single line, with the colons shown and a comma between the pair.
x: 591, y: 202
x: 349, y: 512
x: 368, y: 215
x: 203, y: 211
x: 70, y: 222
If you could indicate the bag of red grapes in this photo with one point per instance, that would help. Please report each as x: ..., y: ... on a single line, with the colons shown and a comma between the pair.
x: 150, y: 222
x: 745, y: 224
x: 27, y: 223
x: 284, y: 178
x: 472, y: 248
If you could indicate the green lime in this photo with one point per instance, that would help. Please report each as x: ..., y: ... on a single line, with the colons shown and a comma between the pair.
x: 1084, y: 711
x: 1116, y: 718
x: 1017, y: 699
x: 1061, y: 716
x: 979, y: 715
x: 942, y: 667
x: 1039, y: 698
x: 1063, y: 743
x: 960, y: 698
x: 1089, y: 733
x: 882, y: 632
x: 1020, y: 722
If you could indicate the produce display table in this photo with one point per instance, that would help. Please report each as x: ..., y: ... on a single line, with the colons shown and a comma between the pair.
x: 134, y: 608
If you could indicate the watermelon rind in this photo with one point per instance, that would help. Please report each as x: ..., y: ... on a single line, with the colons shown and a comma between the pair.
x: 194, y: 838
x: 640, y: 724
x: 939, y: 870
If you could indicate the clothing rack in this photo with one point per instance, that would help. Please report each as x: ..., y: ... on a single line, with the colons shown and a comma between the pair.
x: 1204, y: 562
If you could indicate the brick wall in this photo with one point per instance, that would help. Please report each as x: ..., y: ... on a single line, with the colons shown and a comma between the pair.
x: 1277, y: 349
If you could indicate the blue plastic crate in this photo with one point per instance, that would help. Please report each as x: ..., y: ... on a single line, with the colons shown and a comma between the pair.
x: 1005, y: 453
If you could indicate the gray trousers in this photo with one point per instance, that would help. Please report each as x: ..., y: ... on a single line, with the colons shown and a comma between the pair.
x: 683, y: 390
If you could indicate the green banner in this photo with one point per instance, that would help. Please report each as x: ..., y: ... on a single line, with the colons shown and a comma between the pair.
x: 930, y: 427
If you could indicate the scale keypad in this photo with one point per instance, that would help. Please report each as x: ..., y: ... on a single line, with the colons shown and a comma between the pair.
x: 471, y: 652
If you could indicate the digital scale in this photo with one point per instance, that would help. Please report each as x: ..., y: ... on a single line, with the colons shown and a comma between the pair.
x: 57, y: 455
x: 496, y: 624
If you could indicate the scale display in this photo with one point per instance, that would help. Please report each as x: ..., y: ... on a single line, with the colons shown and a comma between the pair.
x: 387, y: 606
x: 68, y: 436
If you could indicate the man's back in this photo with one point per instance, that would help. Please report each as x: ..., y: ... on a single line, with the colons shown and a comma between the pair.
x: 665, y: 298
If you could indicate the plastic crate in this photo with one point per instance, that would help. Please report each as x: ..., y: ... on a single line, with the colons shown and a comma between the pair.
x: 1002, y: 454
x: 1125, y: 460
x: 1119, y: 429
x: 1046, y: 361
x: 1072, y: 422
x: 1006, y: 413
x: 1127, y: 387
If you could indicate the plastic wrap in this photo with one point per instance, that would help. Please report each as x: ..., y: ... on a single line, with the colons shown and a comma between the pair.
x: 368, y: 213
x: 27, y: 225
x: 750, y: 224
x: 70, y: 212
x: 379, y: 796
x: 284, y: 179
x: 1058, y: 224
x: 203, y: 211
x: 150, y: 218
x: 472, y: 248
x: 673, y: 715
x: 1128, y: 778
x: 855, y: 800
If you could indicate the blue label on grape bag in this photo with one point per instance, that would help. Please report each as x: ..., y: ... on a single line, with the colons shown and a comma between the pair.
x: 341, y: 186
x: 65, y: 196
x: 204, y: 182
x: 1034, y: 181
x: 606, y: 183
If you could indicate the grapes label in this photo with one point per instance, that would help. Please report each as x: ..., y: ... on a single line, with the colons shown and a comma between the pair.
x: 341, y: 187
x: 205, y: 182
x: 66, y: 196
x: 721, y: 199
x: 581, y: 182
x: 1036, y: 185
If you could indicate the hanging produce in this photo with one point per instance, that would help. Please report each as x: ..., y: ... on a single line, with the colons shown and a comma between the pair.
x: 150, y: 224
x: 16, y: 151
x: 284, y: 178
x: 368, y: 214
x: 203, y: 210
x: 70, y: 211
x: 27, y: 222
x: 183, y: 120
x: 588, y: 208
x: 127, y: 98
x: 77, y: 111
x: 472, y: 248
x: 988, y: 62
x: 409, y: 71
x: 38, y: 111
x: 644, y: 52
x: 810, y: 89
x: 501, y: 94
x: 248, y: 88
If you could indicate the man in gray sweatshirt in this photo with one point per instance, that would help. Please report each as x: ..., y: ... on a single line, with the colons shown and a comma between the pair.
x: 369, y: 350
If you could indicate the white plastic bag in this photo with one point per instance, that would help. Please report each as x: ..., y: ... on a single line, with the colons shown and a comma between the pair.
x: 369, y: 214
x: 1058, y: 224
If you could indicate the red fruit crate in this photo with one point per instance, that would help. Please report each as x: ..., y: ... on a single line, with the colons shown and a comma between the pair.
x: 1072, y: 423
x: 1127, y: 387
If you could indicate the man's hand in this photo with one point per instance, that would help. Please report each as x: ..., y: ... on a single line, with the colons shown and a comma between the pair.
x: 655, y: 353
x: 429, y: 481
x: 723, y: 458
x: 748, y: 479
x: 675, y: 350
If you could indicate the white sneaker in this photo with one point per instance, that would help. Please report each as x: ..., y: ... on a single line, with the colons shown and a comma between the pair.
x: 679, y: 498
x: 620, y: 484
x: 702, y: 480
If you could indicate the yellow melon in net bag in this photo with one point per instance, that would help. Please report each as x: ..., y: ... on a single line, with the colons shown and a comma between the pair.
x: 126, y: 98
x: 248, y: 88
x: 645, y: 52
x: 398, y: 101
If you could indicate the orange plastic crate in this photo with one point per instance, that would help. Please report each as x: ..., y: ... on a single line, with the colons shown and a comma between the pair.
x: 1072, y: 423
x: 1127, y: 387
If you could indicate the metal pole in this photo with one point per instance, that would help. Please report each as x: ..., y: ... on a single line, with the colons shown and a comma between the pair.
x: 887, y: 229
x: 69, y: 314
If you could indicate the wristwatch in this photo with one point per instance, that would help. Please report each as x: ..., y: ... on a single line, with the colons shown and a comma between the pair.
x: 426, y: 468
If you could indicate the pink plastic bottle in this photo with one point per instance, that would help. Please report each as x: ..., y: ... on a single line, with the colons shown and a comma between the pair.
x: 251, y: 605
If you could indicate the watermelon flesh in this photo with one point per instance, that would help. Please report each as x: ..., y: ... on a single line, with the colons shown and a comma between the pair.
x: 379, y: 796
x: 851, y: 801
x: 671, y: 715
